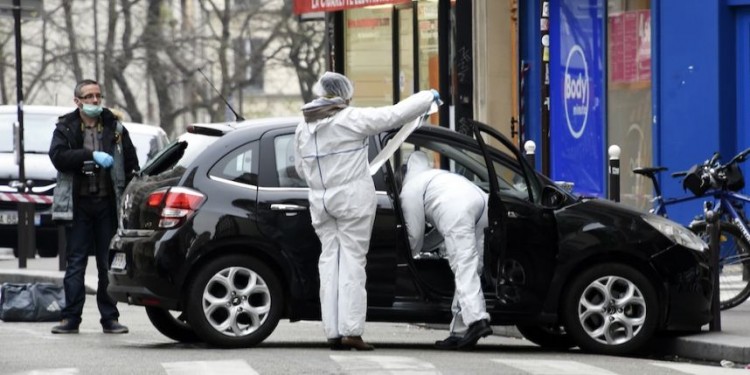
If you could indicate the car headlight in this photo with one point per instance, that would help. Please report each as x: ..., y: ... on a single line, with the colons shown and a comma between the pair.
x: 676, y: 232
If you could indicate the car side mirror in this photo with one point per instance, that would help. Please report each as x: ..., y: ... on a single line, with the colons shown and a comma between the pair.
x: 552, y: 197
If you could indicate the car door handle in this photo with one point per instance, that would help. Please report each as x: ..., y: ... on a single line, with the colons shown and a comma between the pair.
x: 287, y: 207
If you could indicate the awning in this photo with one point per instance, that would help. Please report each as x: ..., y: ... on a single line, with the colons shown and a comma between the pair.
x: 309, y: 6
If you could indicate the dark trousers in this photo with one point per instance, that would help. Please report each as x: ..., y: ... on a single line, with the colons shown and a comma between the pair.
x: 94, y: 224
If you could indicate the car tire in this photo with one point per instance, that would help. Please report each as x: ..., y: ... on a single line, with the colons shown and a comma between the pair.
x: 176, y: 328
x: 47, y: 246
x: 548, y: 336
x: 235, y: 302
x: 610, y: 309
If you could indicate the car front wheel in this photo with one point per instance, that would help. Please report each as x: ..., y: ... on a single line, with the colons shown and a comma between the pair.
x: 234, y: 302
x: 174, y: 327
x: 611, y: 309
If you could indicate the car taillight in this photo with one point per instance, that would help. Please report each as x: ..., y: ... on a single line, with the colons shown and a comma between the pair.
x: 177, y: 204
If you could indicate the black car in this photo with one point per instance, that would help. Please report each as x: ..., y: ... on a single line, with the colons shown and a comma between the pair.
x: 215, y: 241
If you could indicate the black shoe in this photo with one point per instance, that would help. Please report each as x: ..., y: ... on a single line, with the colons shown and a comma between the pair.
x: 336, y: 344
x: 113, y: 326
x: 477, y: 330
x: 451, y: 343
x: 65, y: 326
x: 356, y: 342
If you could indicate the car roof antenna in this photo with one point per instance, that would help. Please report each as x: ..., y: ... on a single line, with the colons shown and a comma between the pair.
x: 237, y: 116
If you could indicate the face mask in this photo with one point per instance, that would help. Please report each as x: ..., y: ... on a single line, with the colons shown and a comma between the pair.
x: 91, y: 110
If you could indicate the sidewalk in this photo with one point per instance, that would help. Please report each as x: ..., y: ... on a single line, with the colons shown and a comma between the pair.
x: 732, y: 343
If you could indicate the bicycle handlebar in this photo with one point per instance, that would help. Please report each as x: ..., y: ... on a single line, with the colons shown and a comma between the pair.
x: 680, y: 174
x: 739, y: 158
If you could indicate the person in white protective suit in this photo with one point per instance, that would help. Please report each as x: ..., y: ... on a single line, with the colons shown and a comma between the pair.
x: 331, y: 145
x: 458, y: 210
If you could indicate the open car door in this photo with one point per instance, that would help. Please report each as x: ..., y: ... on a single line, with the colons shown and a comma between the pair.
x: 520, y: 246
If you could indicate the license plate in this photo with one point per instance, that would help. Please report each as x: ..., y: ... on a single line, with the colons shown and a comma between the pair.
x: 118, y: 263
x: 11, y: 218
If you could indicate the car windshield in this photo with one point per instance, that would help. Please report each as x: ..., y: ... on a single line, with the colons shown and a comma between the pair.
x: 37, y: 131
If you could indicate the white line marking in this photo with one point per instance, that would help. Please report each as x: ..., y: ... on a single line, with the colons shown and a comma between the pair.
x: 553, y: 367
x: 377, y: 364
x: 693, y: 369
x: 232, y: 367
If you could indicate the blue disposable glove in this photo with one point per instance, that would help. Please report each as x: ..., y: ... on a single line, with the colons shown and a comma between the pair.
x: 103, y: 159
x: 436, y: 95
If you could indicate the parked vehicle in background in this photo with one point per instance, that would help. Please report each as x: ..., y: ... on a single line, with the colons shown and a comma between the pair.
x: 39, y: 123
x: 215, y: 240
x: 147, y: 139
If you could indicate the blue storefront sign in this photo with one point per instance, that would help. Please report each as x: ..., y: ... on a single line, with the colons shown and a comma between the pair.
x: 577, y: 103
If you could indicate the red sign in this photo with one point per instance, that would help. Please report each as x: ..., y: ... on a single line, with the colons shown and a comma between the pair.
x: 630, y: 46
x: 309, y: 6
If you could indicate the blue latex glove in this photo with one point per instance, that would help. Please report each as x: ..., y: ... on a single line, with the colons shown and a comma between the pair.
x: 103, y: 159
x: 436, y: 96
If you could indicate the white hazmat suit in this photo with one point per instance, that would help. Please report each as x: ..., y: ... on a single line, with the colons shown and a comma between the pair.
x: 458, y: 210
x: 331, y: 155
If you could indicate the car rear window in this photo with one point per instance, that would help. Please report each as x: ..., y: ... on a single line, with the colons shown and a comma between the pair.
x: 180, y: 153
x: 37, y: 131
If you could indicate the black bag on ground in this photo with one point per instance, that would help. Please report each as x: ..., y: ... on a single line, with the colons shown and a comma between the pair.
x: 32, y: 302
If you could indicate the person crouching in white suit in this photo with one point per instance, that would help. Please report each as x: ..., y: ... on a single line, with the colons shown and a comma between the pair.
x: 331, y: 145
x: 458, y: 210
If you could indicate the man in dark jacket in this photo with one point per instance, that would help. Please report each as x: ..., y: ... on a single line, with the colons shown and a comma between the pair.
x: 95, y: 159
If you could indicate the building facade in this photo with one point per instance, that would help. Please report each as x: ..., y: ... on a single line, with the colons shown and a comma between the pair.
x: 667, y: 81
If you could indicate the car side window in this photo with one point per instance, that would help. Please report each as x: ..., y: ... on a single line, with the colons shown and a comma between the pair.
x: 240, y: 165
x: 465, y: 162
x: 283, y: 146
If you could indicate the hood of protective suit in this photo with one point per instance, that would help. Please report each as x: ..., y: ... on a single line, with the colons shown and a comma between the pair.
x: 321, y: 108
x: 418, y: 162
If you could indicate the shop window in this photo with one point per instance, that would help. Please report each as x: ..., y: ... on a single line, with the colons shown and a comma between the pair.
x: 429, y: 67
x: 629, y: 95
x: 368, y: 50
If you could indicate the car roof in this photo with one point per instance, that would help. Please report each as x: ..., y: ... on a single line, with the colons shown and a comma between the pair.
x: 254, y: 122
x: 260, y: 125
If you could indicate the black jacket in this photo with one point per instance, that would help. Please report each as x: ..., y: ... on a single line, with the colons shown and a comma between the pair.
x: 67, y: 153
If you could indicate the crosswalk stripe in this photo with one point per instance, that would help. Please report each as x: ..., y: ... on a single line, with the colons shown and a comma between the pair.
x: 50, y: 371
x: 377, y: 364
x: 232, y: 367
x: 553, y: 367
x: 694, y: 369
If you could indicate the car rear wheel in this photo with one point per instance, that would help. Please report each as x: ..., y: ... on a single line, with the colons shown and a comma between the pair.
x: 548, y: 336
x: 610, y: 309
x: 174, y: 327
x: 235, y: 302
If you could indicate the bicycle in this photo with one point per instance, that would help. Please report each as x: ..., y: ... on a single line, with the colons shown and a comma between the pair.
x: 722, y: 183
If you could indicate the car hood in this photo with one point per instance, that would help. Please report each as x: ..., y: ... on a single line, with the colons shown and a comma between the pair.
x: 36, y: 166
x: 602, y: 225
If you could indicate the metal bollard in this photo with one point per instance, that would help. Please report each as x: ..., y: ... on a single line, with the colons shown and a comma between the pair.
x: 530, y: 148
x: 713, y: 228
x: 26, y: 233
x: 614, y: 173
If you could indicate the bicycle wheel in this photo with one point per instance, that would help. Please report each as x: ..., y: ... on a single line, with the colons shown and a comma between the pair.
x: 734, y: 264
